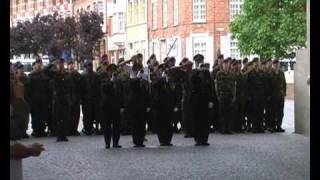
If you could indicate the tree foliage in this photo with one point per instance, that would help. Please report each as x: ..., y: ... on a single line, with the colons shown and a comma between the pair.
x: 52, y: 34
x: 271, y: 28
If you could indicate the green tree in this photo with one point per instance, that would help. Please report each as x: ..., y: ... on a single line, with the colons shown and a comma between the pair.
x: 271, y: 28
x: 90, y: 33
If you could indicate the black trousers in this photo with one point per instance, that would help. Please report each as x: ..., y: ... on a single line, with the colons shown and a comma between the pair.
x: 60, y: 119
x: 187, y: 116
x: 73, y: 118
x: 39, y: 114
x: 268, y: 114
x: 225, y: 114
x: 138, y: 125
x: 112, y: 126
x: 201, y: 120
x: 89, y: 115
x: 256, y: 113
x: 164, y: 125
x: 277, y: 111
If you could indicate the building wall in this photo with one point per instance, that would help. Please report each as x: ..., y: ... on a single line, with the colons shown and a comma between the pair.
x: 187, y: 32
x: 117, y: 29
x: 22, y: 10
x: 136, y: 26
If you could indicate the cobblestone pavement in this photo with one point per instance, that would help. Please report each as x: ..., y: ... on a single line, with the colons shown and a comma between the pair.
x: 241, y: 156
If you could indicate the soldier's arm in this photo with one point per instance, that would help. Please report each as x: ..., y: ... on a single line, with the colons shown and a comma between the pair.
x: 284, y: 84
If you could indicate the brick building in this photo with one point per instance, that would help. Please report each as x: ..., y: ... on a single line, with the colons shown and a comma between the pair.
x: 195, y: 25
x: 22, y: 10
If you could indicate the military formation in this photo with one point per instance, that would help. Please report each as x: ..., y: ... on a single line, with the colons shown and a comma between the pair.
x: 129, y: 99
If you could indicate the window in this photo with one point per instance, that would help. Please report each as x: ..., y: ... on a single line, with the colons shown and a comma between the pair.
x: 114, y: 1
x: 199, y: 10
x: 95, y: 7
x: 100, y: 6
x: 142, y: 10
x: 129, y: 18
x: 200, y: 46
x: 121, y: 22
x: 163, y: 49
x: 136, y: 12
x: 154, y: 15
x: 235, y: 8
x: 175, y: 12
x: 165, y: 13
x: 234, y: 50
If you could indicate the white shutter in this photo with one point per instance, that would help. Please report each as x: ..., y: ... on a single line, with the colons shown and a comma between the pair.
x: 209, y: 51
x: 225, y: 45
x: 189, y: 50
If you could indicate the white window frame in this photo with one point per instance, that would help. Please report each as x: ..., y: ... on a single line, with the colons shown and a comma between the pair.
x: 154, y: 15
x: 235, y: 8
x: 175, y: 12
x: 197, y: 12
x: 199, y: 45
x: 164, y: 13
x: 122, y: 24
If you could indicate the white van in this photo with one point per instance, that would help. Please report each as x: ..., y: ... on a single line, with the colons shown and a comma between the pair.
x: 27, y: 63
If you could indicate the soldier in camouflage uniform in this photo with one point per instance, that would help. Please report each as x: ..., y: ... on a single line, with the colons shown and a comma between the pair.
x: 60, y: 98
x: 225, y: 87
x: 256, y: 96
x: 73, y: 79
x: 217, y: 67
x: 277, y: 96
x: 240, y: 103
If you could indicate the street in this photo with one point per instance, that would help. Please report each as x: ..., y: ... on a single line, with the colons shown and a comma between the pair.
x: 240, y: 156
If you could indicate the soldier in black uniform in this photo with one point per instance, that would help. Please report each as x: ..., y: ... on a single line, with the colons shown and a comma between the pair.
x: 137, y: 103
x: 124, y: 78
x: 256, y: 97
x: 175, y: 83
x: 277, y: 96
x: 89, y: 88
x: 60, y: 99
x: 37, y: 89
x: 201, y: 100
x: 225, y: 87
x: 73, y: 79
x: 187, y: 114
x: 112, y: 103
x: 163, y: 104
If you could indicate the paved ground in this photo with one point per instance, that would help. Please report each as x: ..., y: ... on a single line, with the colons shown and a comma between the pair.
x: 242, y: 156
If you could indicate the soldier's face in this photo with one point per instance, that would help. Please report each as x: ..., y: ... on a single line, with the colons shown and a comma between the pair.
x: 37, y: 66
x: 71, y: 67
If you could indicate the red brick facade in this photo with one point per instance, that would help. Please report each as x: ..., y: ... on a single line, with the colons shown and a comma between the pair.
x: 217, y: 20
x: 21, y: 10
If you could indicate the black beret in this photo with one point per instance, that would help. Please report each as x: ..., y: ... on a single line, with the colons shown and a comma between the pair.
x: 185, y: 59
x: 111, y: 67
x: 275, y: 61
x: 18, y: 65
x: 121, y: 60
x: 255, y: 59
x: 198, y: 57
x: 38, y: 60
x: 70, y: 62
x: 245, y: 60
x: 263, y: 61
x: 205, y: 65
x: 220, y: 56
x: 87, y: 63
